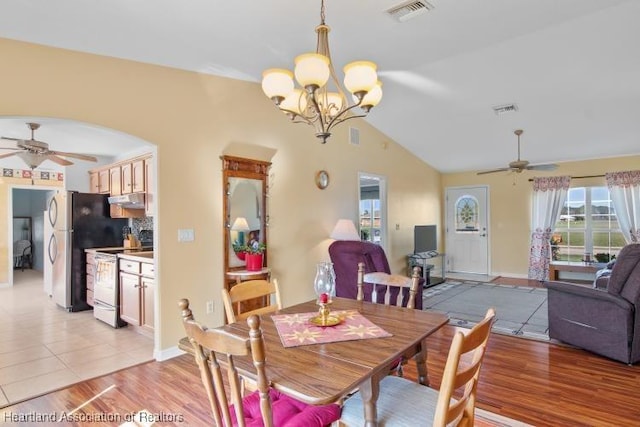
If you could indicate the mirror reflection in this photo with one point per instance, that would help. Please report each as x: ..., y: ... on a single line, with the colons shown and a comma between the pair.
x: 245, y: 217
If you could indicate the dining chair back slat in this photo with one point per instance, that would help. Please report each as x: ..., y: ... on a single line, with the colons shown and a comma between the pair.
x: 242, y: 292
x: 385, y: 282
x: 402, y: 402
x: 217, y: 350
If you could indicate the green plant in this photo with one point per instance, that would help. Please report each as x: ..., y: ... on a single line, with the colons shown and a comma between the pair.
x: 253, y: 248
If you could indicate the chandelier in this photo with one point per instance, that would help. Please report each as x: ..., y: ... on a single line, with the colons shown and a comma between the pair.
x: 315, y: 103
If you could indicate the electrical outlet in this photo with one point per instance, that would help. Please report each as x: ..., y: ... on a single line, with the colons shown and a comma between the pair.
x: 397, y: 226
x: 209, y: 307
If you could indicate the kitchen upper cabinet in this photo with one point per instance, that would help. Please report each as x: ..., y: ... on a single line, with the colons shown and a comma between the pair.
x: 148, y: 184
x: 94, y: 182
x: 104, y: 183
x: 133, y: 177
x: 99, y: 182
x: 115, y: 179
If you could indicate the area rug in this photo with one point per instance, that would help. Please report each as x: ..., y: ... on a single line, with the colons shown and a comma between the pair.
x: 489, y: 419
x: 520, y: 310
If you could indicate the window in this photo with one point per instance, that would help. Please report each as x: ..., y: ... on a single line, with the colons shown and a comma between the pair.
x: 467, y: 214
x: 588, y: 227
x: 372, y: 209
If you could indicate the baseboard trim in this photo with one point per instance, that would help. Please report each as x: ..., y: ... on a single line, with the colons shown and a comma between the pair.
x: 168, y: 353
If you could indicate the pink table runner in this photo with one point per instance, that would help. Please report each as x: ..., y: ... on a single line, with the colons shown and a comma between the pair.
x: 296, y: 329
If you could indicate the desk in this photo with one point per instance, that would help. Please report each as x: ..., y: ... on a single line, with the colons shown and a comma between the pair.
x: 325, y: 373
x: 555, y: 267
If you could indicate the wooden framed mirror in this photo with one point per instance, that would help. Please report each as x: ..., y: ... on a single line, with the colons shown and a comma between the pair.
x: 244, y: 212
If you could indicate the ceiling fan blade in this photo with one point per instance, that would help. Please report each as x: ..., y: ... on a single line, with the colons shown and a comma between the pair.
x: 58, y: 160
x: 2, y: 156
x: 74, y: 155
x: 545, y: 167
x: 494, y: 171
x: 11, y: 139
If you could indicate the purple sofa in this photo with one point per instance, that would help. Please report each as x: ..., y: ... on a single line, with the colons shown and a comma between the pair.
x: 345, y: 256
x: 605, y: 321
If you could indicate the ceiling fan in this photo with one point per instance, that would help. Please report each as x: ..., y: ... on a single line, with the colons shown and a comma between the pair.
x: 520, y: 165
x: 34, y: 152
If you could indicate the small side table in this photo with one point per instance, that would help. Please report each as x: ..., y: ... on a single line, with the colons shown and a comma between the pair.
x: 242, y: 275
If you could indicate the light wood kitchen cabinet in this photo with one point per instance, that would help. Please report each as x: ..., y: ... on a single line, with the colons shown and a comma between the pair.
x: 91, y: 276
x: 130, y: 298
x: 104, y: 183
x: 94, y: 182
x: 115, y: 179
x: 149, y: 197
x: 117, y: 211
x: 137, y: 288
x: 133, y: 177
x: 99, y: 182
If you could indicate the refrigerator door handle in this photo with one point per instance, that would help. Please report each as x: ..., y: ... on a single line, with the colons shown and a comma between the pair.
x: 53, y: 211
x: 52, y: 251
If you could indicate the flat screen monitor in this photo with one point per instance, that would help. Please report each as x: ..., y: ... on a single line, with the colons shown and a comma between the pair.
x: 425, y: 238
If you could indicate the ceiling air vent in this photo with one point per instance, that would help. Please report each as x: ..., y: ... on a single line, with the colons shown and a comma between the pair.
x: 504, y: 109
x: 409, y: 9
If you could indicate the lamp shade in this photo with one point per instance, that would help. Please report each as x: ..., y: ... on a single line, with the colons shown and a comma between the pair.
x: 296, y: 102
x: 360, y: 76
x: 312, y: 69
x: 345, y: 230
x: 277, y: 82
x: 373, y: 97
x: 240, y: 224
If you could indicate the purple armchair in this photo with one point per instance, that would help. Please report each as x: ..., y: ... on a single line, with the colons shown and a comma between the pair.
x: 345, y: 256
x: 605, y: 320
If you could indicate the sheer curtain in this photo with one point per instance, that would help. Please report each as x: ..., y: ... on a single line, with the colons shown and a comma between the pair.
x: 549, y: 195
x: 624, y: 188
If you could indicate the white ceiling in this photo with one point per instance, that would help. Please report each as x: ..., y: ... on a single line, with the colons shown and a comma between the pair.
x: 571, y: 66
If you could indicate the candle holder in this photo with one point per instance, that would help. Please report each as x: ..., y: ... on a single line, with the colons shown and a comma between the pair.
x: 324, y: 317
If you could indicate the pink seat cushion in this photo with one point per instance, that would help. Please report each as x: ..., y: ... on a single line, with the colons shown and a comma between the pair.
x: 287, y: 412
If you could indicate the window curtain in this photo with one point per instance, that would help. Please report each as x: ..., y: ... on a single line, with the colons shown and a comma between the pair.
x: 624, y: 188
x: 549, y: 195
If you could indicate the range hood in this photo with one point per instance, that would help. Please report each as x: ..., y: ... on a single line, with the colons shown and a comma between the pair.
x: 129, y: 201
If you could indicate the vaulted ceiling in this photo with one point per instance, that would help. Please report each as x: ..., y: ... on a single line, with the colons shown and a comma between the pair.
x: 570, y: 66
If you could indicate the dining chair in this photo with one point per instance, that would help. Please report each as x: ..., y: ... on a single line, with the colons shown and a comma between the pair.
x: 405, y: 403
x: 22, y: 254
x: 215, y: 351
x: 241, y: 293
x: 388, y: 282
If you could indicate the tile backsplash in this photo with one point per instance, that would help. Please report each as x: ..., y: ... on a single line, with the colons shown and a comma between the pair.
x: 137, y: 224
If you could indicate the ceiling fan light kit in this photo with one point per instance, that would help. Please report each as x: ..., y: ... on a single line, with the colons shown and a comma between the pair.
x: 520, y: 165
x: 34, y: 152
x: 315, y: 103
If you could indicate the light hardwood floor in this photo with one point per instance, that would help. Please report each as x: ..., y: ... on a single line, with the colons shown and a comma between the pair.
x: 535, y: 382
x: 43, y: 347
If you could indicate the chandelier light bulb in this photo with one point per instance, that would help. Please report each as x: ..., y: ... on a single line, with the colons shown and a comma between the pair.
x: 360, y: 76
x: 277, y: 83
x: 334, y: 104
x: 312, y: 70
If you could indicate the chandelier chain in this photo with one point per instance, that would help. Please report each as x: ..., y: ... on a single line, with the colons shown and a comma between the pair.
x: 322, y: 17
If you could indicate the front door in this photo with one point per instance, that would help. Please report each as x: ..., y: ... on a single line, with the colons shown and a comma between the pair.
x: 467, y: 236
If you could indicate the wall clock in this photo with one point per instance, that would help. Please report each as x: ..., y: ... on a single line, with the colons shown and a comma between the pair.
x: 322, y: 179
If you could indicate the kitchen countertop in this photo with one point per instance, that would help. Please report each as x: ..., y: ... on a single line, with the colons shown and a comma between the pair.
x: 120, y: 249
x: 140, y: 256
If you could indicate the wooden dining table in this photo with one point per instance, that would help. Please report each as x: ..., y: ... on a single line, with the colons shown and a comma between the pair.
x: 325, y: 373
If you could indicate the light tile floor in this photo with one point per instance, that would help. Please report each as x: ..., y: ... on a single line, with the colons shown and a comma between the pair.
x: 44, y: 348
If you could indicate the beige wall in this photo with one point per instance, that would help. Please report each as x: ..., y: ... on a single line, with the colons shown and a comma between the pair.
x: 510, y: 206
x: 193, y: 119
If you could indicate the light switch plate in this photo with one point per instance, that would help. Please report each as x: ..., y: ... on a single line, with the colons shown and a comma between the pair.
x: 185, y: 235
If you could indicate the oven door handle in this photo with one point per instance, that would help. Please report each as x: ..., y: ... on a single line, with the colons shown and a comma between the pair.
x: 104, y: 306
